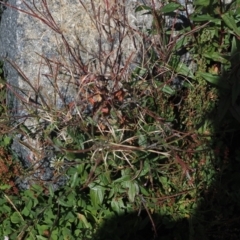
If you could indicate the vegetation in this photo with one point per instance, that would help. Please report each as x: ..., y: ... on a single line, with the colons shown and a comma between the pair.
x: 152, y: 152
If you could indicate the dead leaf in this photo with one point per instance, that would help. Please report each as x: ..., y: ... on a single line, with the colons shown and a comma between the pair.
x: 119, y: 95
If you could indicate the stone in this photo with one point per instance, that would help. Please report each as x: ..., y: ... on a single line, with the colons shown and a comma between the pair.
x: 46, y: 56
x: 51, y: 52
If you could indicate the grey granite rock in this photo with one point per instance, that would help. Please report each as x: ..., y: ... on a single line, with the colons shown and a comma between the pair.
x: 32, y: 88
x: 24, y: 39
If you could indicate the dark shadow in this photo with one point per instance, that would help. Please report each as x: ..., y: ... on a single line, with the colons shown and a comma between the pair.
x: 137, y: 226
x: 220, y: 206
x: 218, y: 214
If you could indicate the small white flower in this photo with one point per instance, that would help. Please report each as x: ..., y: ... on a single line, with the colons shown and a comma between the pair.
x: 57, y: 163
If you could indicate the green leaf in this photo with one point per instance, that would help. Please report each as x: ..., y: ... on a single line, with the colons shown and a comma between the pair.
x: 96, y: 194
x: 204, y: 18
x: 38, y: 237
x: 183, y: 41
x: 167, y: 89
x: 105, y: 178
x: 29, y: 205
x: 139, y: 72
x: 71, y: 199
x: 146, y: 169
x: 142, y: 140
x: 6, y: 224
x: 144, y: 191
x: 182, y: 69
x: 164, y: 180
x: 230, y: 21
x: 204, y: 3
x: 169, y: 8
x: 4, y: 187
x: 215, y: 56
x: 49, y: 217
x: 117, y: 205
x: 65, y: 232
x: 77, y: 232
x: 83, y: 219
x: 71, y: 156
x: 133, y: 190
x: 235, y: 51
x: 81, y: 203
x: 25, y: 211
x: 74, y: 180
x: 64, y: 204
x: 7, y: 140
x: 215, y: 80
x: 25, y: 130
x: 55, y: 234
x: 122, y: 179
x: 50, y: 188
x: 69, y: 216
x: 42, y: 228
x: 16, y: 218
x: 5, y: 209
x: 38, y: 189
x: 142, y: 7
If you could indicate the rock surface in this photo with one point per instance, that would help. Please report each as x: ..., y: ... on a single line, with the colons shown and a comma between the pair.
x: 26, y: 42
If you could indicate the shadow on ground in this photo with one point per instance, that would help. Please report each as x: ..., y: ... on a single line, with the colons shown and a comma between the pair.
x: 218, y: 215
x: 139, y: 227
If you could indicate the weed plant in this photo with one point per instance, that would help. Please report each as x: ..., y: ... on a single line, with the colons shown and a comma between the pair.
x: 139, y: 142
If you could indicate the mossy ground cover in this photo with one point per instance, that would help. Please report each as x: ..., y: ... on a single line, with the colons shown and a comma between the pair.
x: 153, y: 153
